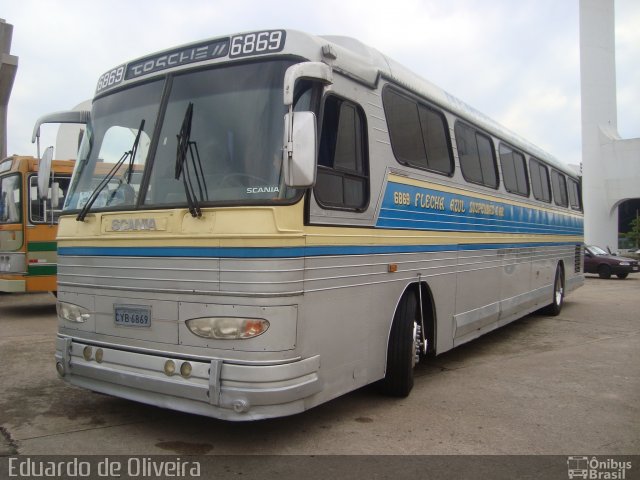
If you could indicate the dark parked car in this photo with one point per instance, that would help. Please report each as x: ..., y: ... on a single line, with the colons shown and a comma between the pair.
x: 596, y: 260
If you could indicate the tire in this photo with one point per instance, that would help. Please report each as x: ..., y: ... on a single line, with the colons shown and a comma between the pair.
x: 555, y: 307
x: 604, y: 271
x: 622, y: 276
x: 401, y: 351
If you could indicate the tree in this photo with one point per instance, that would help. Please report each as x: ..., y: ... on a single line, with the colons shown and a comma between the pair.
x: 634, y: 233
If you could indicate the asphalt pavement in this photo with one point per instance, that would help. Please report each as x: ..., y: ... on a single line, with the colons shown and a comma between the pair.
x: 541, y: 385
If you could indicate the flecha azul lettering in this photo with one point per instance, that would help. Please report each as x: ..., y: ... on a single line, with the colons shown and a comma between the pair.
x: 429, y: 202
x: 456, y: 205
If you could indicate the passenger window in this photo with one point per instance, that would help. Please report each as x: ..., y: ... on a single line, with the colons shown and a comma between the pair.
x: 436, y: 141
x: 574, y: 194
x: 514, y: 171
x: 343, y: 177
x: 539, y: 181
x: 559, y: 185
x: 477, y: 159
x: 418, y: 133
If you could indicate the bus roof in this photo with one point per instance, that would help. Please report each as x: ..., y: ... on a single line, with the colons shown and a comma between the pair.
x: 345, y: 55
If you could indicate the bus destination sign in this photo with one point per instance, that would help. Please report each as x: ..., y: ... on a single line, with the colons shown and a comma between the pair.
x: 255, y: 43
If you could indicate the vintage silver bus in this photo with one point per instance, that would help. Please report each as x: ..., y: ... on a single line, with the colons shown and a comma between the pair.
x: 261, y: 222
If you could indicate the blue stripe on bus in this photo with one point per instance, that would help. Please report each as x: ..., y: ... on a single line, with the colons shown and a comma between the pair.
x: 287, y: 252
x: 408, y: 207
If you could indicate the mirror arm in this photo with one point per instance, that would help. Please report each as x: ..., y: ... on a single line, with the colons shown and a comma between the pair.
x: 289, y: 146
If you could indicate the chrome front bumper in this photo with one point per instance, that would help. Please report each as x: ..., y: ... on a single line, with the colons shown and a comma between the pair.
x: 213, y: 387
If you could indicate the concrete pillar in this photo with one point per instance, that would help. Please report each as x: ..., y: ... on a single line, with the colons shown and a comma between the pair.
x: 8, y: 69
x: 610, y: 165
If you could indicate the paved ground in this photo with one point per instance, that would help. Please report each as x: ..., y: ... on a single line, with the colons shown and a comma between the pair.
x: 542, y: 385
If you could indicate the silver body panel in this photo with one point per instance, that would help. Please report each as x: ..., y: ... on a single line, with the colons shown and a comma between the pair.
x: 330, y: 298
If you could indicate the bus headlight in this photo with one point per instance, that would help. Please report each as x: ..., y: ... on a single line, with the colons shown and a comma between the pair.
x: 72, y: 313
x: 227, y: 328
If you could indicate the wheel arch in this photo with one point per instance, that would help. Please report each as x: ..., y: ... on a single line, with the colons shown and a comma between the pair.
x: 421, y: 289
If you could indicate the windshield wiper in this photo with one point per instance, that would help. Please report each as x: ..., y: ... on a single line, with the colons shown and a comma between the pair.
x: 130, y: 154
x: 186, y: 146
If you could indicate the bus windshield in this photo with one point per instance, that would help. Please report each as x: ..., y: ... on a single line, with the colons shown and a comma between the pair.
x: 233, y: 149
x: 10, y: 199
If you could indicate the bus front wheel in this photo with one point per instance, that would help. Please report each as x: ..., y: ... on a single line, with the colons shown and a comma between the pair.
x: 555, y: 306
x: 402, y: 348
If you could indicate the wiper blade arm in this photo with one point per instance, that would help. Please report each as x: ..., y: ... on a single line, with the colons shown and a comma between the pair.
x: 105, y: 181
x: 134, y: 151
x: 185, y: 147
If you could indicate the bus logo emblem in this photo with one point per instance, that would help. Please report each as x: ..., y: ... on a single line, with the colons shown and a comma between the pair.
x: 133, y: 224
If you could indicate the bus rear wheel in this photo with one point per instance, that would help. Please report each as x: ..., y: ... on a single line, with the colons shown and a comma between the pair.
x: 402, y: 348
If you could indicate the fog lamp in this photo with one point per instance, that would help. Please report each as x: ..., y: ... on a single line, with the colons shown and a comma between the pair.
x: 60, y: 369
x: 185, y: 370
x: 86, y: 353
x: 227, y: 328
x: 99, y: 355
x: 169, y: 367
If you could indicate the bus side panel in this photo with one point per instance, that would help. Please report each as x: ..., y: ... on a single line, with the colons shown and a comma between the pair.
x: 42, y: 258
x: 12, y: 259
x: 341, y: 291
x: 478, y: 294
x: 515, y: 285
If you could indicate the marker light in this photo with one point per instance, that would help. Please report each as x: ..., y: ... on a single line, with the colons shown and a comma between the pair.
x: 227, y: 328
x: 72, y: 313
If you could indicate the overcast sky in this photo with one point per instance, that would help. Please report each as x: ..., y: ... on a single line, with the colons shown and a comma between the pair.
x: 515, y: 60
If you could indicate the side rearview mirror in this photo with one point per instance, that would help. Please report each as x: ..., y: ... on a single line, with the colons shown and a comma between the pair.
x: 55, y: 195
x: 315, y: 71
x: 44, y: 171
x: 299, y: 152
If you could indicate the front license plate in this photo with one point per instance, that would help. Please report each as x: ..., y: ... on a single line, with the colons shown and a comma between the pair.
x: 635, y: 269
x: 133, y: 315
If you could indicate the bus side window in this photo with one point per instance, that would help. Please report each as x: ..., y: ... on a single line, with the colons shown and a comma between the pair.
x: 574, y: 195
x: 539, y: 180
x: 514, y: 172
x: 343, y: 177
x: 559, y: 187
x: 477, y: 158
